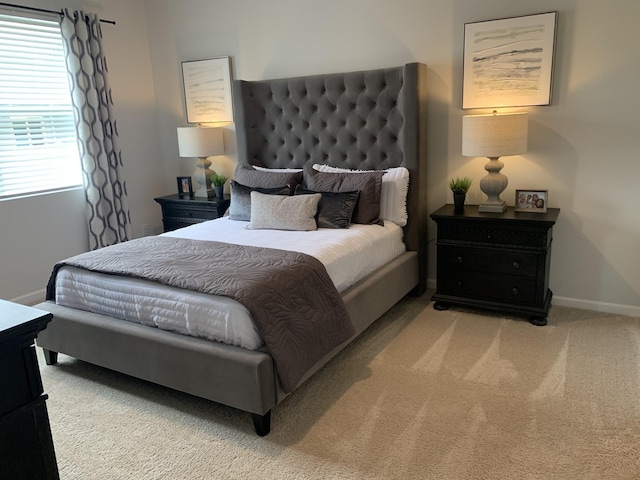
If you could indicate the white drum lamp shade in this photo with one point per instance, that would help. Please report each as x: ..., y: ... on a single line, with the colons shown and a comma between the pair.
x: 494, y: 136
x: 201, y: 142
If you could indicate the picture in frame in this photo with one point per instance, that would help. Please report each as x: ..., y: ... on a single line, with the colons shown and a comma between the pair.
x: 532, y: 201
x: 185, y: 187
x: 509, y: 62
x: 207, y: 90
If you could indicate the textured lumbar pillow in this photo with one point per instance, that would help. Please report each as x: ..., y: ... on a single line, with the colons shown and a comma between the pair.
x: 240, y: 208
x: 278, y: 212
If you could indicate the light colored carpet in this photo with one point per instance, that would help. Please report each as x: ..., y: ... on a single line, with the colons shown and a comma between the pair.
x: 421, y: 395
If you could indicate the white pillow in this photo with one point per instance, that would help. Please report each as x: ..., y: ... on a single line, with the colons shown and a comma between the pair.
x: 393, y: 195
x: 277, y: 170
x: 283, y: 212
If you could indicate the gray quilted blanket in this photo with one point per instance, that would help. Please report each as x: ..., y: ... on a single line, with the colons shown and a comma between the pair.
x: 296, y: 307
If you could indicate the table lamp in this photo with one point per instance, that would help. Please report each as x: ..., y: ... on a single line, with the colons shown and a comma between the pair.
x: 494, y: 136
x: 201, y: 142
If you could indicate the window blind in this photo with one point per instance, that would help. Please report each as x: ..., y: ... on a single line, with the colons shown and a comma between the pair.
x: 38, y: 146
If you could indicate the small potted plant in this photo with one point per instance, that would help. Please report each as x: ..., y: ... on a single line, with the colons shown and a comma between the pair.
x: 218, y: 182
x: 459, y: 187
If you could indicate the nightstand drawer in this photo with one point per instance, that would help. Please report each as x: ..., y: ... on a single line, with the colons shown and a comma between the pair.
x: 482, y: 286
x: 493, y: 235
x: 487, y: 260
x: 176, y: 211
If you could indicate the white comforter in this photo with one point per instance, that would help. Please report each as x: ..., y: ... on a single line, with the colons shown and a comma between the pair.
x: 348, y: 255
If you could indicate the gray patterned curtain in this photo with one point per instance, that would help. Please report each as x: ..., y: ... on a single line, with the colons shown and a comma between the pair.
x: 105, y: 189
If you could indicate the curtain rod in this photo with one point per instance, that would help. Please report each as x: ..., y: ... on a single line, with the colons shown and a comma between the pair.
x: 42, y: 10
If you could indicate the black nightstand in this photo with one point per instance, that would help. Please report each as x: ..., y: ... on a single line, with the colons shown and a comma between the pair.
x: 25, y: 436
x: 498, y: 261
x: 181, y: 212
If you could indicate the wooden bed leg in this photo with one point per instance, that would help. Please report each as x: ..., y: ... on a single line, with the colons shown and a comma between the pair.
x: 50, y: 357
x: 262, y: 423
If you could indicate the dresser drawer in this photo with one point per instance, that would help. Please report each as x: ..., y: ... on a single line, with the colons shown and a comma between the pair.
x: 487, y: 260
x: 177, y: 211
x: 503, y: 288
x: 493, y: 235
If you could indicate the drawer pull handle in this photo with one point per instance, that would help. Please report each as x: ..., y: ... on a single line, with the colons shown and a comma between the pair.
x: 460, y: 259
x: 514, y: 291
x: 459, y: 283
x: 516, y: 265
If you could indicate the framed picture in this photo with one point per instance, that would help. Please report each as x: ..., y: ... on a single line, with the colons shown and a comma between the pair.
x: 207, y: 90
x: 185, y: 187
x: 509, y: 62
x: 532, y: 201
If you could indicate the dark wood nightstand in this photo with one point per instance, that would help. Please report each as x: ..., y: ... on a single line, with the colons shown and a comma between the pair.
x: 25, y: 436
x: 181, y: 212
x: 498, y: 261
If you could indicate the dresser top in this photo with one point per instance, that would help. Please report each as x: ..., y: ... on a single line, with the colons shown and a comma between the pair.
x: 16, y: 318
x: 471, y: 214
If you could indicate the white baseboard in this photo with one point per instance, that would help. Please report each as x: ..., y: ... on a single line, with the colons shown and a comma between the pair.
x: 30, y: 299
x: 615, y: 308
x: 604, y: 307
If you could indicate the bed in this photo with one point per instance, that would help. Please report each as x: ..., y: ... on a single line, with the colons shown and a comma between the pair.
x: 368, y: 120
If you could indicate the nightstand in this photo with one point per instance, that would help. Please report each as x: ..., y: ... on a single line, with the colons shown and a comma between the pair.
x: 497, y: 261
x: 25, y: 435
x: 181, y: 212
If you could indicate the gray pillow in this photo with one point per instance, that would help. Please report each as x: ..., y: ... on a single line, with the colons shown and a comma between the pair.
x: 247, y: 175
x: 277, y: 212
x: 335, y: 209
x: 240, y: 208
x: 369, y: 185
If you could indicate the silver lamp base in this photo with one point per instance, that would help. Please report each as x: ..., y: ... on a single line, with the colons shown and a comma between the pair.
x: 492, y: 185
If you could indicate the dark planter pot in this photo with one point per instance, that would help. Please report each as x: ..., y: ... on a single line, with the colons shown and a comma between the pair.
x: 458, y: 202
x: 219, y: 191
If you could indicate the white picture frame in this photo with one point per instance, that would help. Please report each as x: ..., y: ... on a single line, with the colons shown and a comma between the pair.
x: 207, y: 90
x: 509, y: 62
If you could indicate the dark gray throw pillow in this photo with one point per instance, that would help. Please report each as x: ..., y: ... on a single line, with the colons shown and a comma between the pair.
x: 247, y: 175
x: 240, y: 208
x: 369, y: 185
x: 335, y: 209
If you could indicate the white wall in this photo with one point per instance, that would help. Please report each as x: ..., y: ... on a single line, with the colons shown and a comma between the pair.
x: 580, y: 148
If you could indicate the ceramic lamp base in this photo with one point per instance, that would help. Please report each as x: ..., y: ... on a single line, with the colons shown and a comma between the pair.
x: 492, y: 185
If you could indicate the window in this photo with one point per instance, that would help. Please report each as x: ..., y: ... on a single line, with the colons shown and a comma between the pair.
x: 38, y: 146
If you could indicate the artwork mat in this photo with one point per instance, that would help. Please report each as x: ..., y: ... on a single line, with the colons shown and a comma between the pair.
x: 544, y: 194
x: 207, y: 90
x: 527, y: 92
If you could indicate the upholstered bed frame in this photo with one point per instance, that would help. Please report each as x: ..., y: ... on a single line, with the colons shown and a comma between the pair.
x: 358, y: 120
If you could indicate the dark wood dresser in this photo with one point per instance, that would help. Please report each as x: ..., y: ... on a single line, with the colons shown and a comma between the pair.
x: 180, y: 212
x: 26, y: 445
x: 498, y: 261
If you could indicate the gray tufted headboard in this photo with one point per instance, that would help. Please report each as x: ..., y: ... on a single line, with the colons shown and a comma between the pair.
x: 361, y: 120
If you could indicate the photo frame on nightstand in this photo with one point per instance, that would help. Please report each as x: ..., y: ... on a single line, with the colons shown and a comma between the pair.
x: 185, y: 187
x: 532, y: 201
